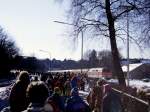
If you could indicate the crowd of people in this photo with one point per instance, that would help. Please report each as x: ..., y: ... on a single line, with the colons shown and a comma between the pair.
x: 58, y: 93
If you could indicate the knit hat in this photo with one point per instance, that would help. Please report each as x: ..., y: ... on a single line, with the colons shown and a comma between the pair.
x: 101, y: 81
x: 74, y: 92
x: 57, y: 90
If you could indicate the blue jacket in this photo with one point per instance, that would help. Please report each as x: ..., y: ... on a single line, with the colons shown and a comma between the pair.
x: 74, y: 82
x: 76, y: 104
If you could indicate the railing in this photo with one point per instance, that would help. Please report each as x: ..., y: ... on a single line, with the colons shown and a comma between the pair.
x: 131, y: 103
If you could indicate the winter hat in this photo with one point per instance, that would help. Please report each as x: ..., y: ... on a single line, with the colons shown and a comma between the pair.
x: 74, y: 92
x: 24, y: 76
x: 57, y: 90
x: 101, y: 81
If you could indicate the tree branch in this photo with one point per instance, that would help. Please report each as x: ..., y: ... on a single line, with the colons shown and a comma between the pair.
x: 125, y: 11
x: 114, y: 2
x: 95, y: 21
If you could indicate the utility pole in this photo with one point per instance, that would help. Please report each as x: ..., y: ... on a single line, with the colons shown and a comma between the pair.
x: 128, y: 62
x: 82, y: 51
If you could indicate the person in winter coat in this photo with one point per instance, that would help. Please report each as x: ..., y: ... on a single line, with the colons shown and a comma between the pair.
x: 95, y: 96
x: 67, y: 88
x: 74, y: 81
x: 82, y: 84
x: 49, y: 83
x: 37, y: 93
x: 75, y: 103
x: 111, y: 101
x: 56, y: 100
x: 17, y: 99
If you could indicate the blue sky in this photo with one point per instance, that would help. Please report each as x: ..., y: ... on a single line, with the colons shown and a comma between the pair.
x: 30, y: 24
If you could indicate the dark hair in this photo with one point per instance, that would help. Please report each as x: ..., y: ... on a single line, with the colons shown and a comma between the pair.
x: 37, y: 92
x: 44, y: 77
x: 74, y: 91
x: 24, y: 76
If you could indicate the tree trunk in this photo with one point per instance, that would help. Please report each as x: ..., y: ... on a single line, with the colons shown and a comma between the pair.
x: 116, y: 60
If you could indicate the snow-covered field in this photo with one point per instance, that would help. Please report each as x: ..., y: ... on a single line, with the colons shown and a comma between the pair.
x: 140, y: 84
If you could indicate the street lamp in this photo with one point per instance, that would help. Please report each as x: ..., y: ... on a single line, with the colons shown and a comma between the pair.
x: 81, y: 38
x: 49, y: 58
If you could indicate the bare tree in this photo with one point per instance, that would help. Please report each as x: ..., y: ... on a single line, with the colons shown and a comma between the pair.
x: 105, y: 18
x: 8, y: 51
x: 105, y: 58
x: 86, y: 54
x: 144, y: 23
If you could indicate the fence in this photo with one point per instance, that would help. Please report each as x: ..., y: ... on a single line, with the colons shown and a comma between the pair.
x: 131, y: 103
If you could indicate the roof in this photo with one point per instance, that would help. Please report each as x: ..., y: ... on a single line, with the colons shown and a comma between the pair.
x: 131, y: 67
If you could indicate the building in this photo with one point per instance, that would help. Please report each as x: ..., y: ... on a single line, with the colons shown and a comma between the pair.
x: 99, y: 72
x: 138, y: 71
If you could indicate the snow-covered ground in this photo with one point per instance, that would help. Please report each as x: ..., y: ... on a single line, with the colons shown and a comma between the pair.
x: 134, y: 83
x: 139, y: 83
x: 4, y: 94
x: 2, y: 89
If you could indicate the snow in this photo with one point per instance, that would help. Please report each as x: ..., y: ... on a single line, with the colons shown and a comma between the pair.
x: 2, y: 89
x: 134, y: 83
x: 139, y: 84
x: 83, y: 93
x: 4, y: 94
x: 131, y: 67
x: 114, y: 81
